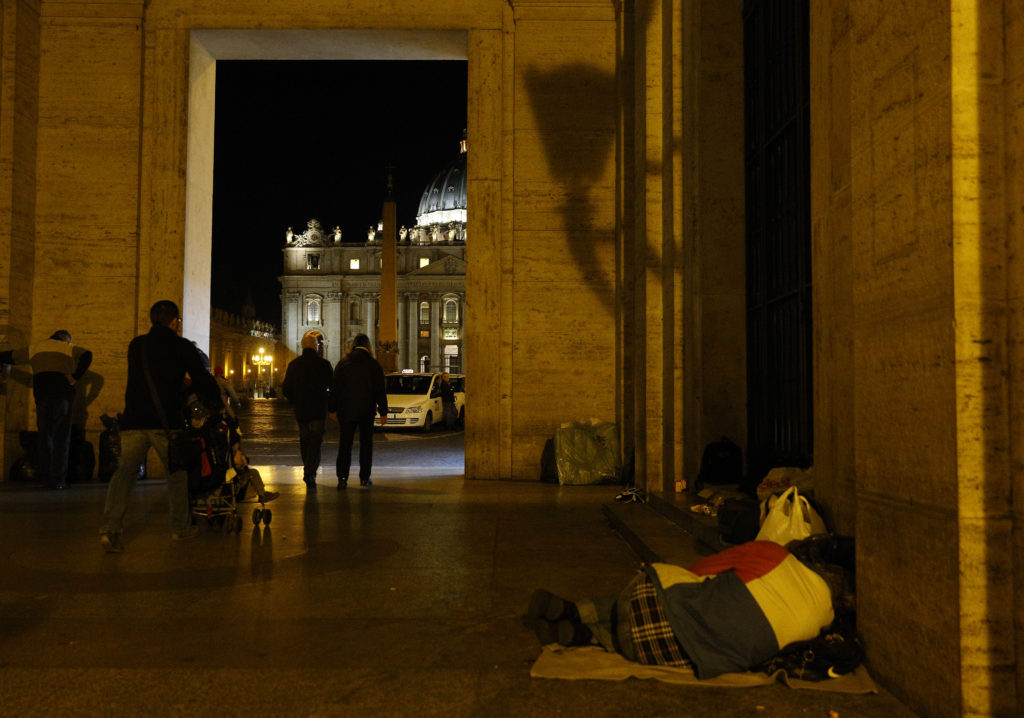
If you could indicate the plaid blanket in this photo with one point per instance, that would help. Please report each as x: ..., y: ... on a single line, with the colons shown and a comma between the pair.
x: 653, y: 640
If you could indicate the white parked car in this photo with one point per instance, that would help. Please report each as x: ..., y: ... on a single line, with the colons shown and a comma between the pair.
x: 413, y: 400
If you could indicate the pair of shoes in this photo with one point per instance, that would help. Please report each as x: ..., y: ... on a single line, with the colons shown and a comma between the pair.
x: 189, y: 533
x: 546, y: 605
x: 111, y: 543
x: 365, y: 483
x: 631, y: 496
x: 573, y: 633
x: 342, y: 483
x: 567, y: 632
x: 269, y: 496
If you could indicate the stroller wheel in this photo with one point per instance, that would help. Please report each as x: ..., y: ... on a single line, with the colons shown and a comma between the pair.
x: 266, y: 517
x: 256, y: 516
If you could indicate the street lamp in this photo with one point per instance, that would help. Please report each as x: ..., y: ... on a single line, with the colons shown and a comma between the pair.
x: 261, y: 360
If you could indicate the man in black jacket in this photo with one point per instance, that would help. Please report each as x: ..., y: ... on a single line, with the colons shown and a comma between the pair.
x: 57, y: 365
x: 307, y: 381
x: 153, y: 403
x: 358, y: 392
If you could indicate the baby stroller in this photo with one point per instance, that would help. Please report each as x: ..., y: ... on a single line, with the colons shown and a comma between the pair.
x: 222, y: 480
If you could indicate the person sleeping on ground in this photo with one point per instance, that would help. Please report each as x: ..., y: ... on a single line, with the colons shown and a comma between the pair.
x: 726, y: 613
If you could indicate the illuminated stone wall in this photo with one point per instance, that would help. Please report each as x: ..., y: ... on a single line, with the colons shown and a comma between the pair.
x: 600, y: 232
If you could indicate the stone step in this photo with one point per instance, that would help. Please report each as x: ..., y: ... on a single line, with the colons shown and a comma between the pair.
x: 662, y: 530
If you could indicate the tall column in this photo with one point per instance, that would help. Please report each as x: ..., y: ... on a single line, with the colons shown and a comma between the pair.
x: 370, y: 307
x: 387, y: 352
x: 435, y: 332
x: 333, y: 311
x: 414, y: 331
x: 403, y: 334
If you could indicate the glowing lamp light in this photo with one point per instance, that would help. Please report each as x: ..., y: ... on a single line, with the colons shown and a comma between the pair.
x: 262, y: 359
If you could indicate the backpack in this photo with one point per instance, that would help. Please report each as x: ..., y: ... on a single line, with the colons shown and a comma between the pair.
x: 721, y: 463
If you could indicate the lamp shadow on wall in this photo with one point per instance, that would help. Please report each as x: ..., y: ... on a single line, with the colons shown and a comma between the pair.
x: 578, y: 158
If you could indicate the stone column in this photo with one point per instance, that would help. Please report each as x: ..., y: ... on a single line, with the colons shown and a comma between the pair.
x: 332, y: 322
x: 370, y: 317
x: 403, y: 334
x: 414, y: 331
x: 435, y: 332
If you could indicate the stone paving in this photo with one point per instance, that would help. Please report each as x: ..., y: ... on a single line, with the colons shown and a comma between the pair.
x: 403, y: 600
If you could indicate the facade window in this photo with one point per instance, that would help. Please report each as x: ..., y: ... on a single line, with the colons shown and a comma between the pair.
x: 313, y: 310
x: 312, y: 261
x: 353, y: 311
x: 353, y: 264
x: 451, y: 311
x: 424, y: 261
x: 424, y: 312
x: 425, y: 333
x: 450, y: 333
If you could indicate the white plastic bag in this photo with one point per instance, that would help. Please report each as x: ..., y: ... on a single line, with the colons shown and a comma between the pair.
x: 789, y: 517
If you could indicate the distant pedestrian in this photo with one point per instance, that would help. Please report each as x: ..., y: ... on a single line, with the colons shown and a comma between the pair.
x: 448, y: 410
x: 307, y: 381
x: 57, y: 365
x: 357, y: 394
x: 154, y: 403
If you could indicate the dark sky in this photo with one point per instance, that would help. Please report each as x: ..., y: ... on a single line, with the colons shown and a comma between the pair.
x: 297, y: 140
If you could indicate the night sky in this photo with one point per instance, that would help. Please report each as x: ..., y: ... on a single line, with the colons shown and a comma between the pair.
x: 298, y: 140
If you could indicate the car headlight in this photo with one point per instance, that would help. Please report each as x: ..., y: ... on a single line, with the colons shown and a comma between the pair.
x: 414, y: 410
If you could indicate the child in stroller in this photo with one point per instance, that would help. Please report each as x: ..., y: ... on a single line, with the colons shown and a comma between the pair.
x: 223, y: 478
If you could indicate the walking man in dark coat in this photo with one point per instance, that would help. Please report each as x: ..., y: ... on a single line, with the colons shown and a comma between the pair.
x: 307, y: 382
x: 57, y: 365
x: 154, y: 399
x: 358, y: 392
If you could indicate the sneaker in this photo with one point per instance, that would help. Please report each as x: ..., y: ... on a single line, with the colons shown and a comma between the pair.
x: 111, y: 543
x: 573, y: 633
x: 189, y: 533
x: 631, y: 496
x: 365, y: 483
x: 269, y: 496
x: 546, y: 605
x: 342, y: 483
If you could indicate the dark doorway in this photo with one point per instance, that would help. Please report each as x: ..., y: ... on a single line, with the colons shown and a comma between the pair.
x: 778, y: 235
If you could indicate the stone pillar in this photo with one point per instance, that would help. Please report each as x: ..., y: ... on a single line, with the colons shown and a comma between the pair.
x: 370, y: 317
x: 291, y: 322
x: 435, y: 332
x: 332, y: 323
x: 403, y: 333
x: 414, y: 332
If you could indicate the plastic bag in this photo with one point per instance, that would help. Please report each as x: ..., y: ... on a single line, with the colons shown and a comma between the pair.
x: 790, y: 517
x: 587, y: 453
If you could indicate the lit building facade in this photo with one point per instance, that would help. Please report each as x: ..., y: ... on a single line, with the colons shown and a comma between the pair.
x: 332, y: 284
x: 234, y: 341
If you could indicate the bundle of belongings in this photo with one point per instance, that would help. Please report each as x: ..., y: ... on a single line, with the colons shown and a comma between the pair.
x: 757, y: 608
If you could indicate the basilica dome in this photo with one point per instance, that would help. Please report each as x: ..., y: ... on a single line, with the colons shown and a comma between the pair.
x: 443, y: 205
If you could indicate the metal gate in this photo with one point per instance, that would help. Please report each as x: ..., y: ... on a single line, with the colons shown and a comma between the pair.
x: 778, y: 235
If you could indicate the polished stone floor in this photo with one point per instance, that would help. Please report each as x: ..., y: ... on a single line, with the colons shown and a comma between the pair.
x: 403, y: 600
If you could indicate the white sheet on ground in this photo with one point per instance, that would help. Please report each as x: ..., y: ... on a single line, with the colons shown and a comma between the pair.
x: 593, y: 662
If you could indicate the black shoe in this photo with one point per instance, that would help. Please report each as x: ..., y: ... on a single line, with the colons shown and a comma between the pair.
x: 365, y: 483
x: 546, y: 605
x: 573, y: 633
x: 547, y: 632
x: 310, y: 484
x: 342, y: 483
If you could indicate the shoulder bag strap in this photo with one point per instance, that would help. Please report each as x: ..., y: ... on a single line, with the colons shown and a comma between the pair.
x: 152, y: 387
